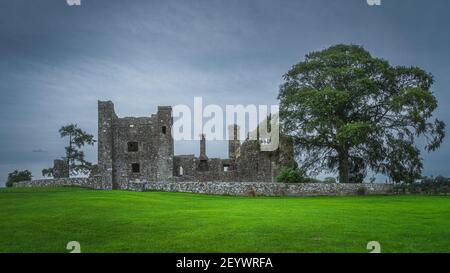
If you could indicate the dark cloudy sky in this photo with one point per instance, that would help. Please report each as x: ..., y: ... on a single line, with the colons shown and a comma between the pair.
x: 57, y: 60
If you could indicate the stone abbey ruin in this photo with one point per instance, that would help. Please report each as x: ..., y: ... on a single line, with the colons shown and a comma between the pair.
x: 141, y: 149
x: 137, y: 153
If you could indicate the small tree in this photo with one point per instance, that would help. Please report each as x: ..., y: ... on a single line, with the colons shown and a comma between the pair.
x: 74, y: 155
x: 47, y: 172
x: 329, y: 180
x: 17, y: 176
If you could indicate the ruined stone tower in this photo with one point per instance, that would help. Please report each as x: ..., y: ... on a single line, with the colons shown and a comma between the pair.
x: 134, y: 148
x: 60, y: 168
x: 106, y: 120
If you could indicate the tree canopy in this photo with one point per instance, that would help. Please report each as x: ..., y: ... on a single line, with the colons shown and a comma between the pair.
x: 349, y: 112
x: 17, y: 176
x: 74, y: 155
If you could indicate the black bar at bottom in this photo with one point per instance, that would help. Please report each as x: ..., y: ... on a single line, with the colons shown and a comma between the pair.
x: 225, y: 262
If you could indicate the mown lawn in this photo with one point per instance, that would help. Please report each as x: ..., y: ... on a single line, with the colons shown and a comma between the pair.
x: 45, y: 220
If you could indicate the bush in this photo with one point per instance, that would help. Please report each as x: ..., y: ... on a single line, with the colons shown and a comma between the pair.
x: 329, y: 180
x: 290, y: 175
x: 428, y: 185
x: 310, y: 180
x: 361, y: 190
x: 17, y: 176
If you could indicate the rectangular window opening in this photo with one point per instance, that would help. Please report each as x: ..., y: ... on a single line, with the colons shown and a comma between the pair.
x: 135, y: 168
x: 133, y: 146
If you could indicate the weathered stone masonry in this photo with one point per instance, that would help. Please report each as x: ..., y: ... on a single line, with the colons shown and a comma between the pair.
x: 225, y: 188
x: 141, y: 149
x: 85, y: 182
x: 134, y: 149
x: 266, y: 189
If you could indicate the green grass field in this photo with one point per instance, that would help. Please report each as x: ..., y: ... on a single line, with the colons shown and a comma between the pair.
x: 45, y: 220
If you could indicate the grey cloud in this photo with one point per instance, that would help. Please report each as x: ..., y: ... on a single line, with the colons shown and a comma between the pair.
x: 57, y: 60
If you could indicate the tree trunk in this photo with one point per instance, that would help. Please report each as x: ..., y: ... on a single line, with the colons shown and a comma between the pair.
x: 69, y: 153
x: 343, y: 166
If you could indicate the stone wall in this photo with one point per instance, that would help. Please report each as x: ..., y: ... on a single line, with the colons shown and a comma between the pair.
x: 224, y: 188
x: 186, y: 170
x: 91, y: 182
x: 246, y: 162
x: 264, y: 188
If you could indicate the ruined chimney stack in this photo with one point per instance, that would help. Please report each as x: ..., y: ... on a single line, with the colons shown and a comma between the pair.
x: 203, y: 147
x: 233, y: 144
x: 203, y: 159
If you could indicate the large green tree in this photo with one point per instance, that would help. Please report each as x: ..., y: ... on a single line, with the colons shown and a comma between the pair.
x: 74, y: 157
x: 349, y: 112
